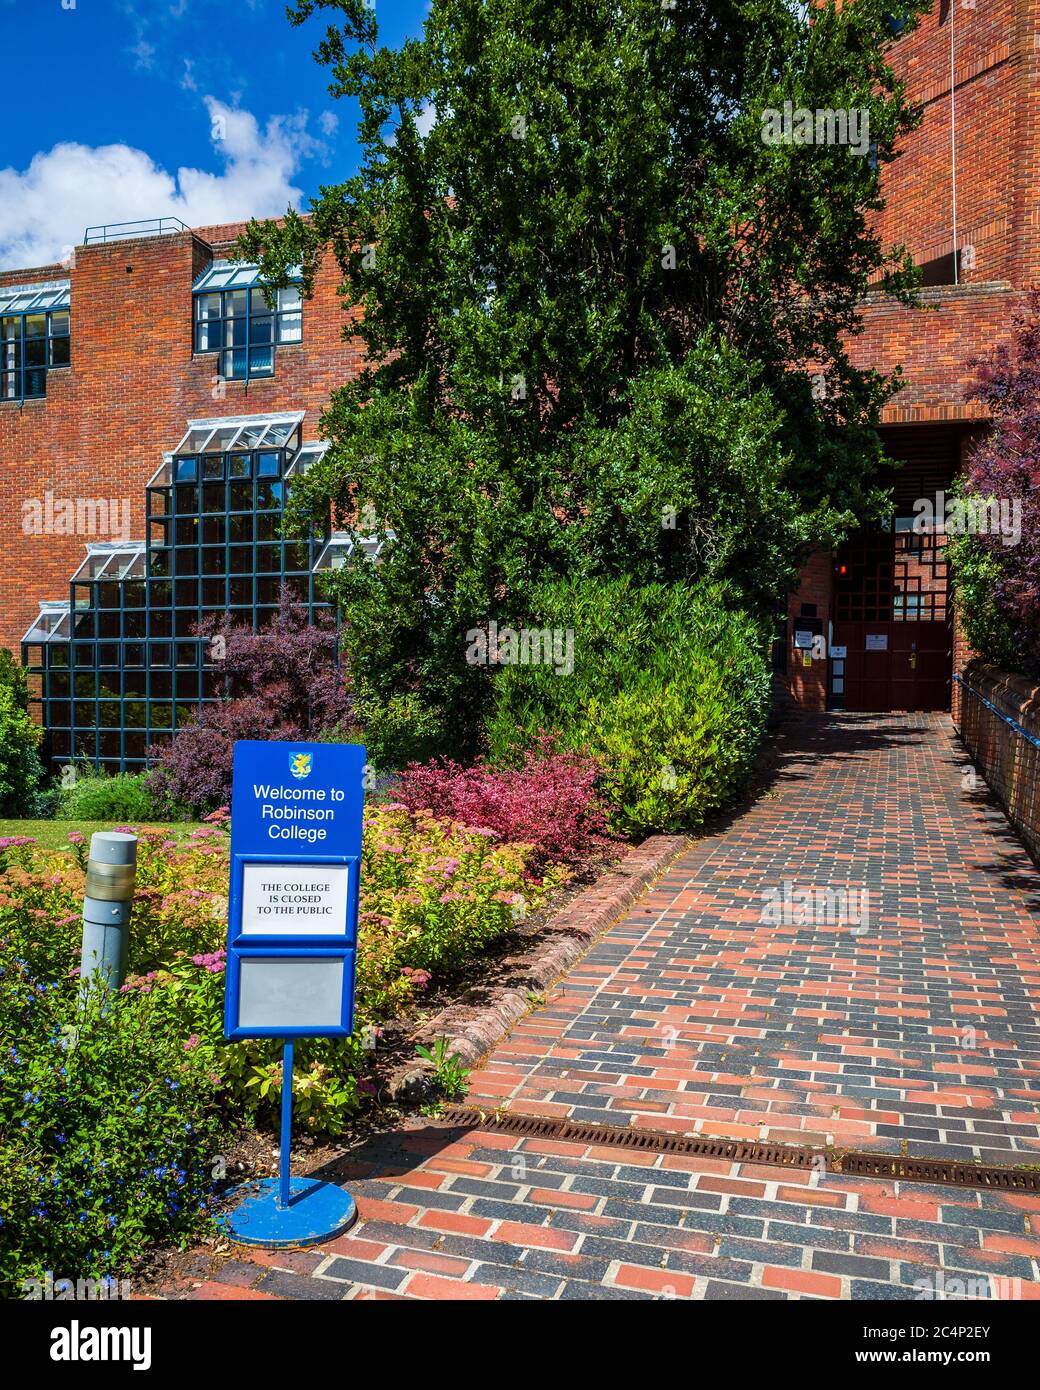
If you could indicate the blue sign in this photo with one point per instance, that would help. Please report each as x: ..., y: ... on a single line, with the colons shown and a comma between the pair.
x: 293, y: 913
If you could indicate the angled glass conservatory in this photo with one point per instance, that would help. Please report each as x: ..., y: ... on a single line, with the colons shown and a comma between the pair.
x: 118, y: 666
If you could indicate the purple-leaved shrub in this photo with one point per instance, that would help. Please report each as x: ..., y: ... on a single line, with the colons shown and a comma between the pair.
x: 283, y: 682
x: 549, y: 802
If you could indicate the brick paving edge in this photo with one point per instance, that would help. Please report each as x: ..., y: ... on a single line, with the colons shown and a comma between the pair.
x: 579, y: 924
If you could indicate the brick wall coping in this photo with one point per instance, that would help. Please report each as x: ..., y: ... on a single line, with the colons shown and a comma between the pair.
x: 34, y: 274
x: 939, y: 294
x: 1015, y: 696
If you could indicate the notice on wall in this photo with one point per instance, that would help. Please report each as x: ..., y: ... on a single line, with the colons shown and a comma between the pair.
x: 802, y: 640
x: 839, y: 653
x: 877, y: 641
x: 294, y: 899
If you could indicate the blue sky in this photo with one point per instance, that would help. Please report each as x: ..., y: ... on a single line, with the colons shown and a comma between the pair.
x: 208, y: 110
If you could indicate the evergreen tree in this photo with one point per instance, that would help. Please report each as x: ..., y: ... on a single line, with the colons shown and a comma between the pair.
x: 605, y: 287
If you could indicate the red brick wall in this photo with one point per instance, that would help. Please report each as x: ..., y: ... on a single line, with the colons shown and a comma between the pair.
x: 995, y: 71
x: 997, y: 67
x: 933, y: 345
x: 102, y: 428
x: 997, y: 84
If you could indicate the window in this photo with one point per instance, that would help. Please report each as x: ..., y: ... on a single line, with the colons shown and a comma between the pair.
x: 34, y: 339
x: 244, y: 321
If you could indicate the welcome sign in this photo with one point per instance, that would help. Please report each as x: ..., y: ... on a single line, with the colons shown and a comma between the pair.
x: 296, y: 813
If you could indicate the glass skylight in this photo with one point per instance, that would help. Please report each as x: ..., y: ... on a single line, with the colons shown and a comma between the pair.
x: 238, y: 432
x: 34, y: 299
x: 51, y: 623
x: 163, y: 475
x: 234, y: 275
x: 112, y: 560
x: 342, y: 544
x: 306, y: 456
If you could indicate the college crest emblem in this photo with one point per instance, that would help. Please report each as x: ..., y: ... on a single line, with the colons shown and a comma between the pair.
x: 300, y: 764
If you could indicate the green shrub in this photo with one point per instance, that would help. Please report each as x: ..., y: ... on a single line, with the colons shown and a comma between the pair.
x: 402, y: 730
x: 975, y: 572
x: 97, y: 796
x: 109, y: 1131
x: 670, y: 692
x: 21, y: 771
x: 15, y: 676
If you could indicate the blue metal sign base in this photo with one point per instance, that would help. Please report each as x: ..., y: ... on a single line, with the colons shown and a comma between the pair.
x: 316, y: 1211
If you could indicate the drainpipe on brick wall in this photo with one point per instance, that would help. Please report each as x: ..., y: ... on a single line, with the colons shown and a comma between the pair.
x: 953, y: 138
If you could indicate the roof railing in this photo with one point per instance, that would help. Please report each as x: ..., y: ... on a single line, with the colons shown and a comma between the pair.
x: 126, y: 231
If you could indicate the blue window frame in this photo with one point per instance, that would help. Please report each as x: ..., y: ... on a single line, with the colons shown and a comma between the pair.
x: 34, y: 339
x: 242, y: 320
x: 121, y: 663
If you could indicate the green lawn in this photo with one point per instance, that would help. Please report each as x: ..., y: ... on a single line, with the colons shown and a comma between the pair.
x: 54, y: 834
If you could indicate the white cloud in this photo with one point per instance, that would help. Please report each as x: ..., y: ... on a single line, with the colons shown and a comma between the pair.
x: 426, y: 119
x: 44, y: 208
x: 328, y: 122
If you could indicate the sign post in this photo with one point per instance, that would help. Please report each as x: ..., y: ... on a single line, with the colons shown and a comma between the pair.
x: 292, y: 943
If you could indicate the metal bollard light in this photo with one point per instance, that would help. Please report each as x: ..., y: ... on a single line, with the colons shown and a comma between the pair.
x: 111, y: 874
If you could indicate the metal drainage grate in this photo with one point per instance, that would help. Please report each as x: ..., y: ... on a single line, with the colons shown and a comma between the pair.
x: 935, y: 1170
x: 849, y: 1163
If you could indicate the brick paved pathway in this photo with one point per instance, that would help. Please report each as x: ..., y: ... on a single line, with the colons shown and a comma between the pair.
x: 914, y: 1031
x: 917, y: 1033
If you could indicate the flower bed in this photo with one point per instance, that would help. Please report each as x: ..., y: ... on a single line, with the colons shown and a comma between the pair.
x: 114, y: 1117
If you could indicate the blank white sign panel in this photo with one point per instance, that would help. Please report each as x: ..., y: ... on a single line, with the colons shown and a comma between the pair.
x: 291, y: 993
x: 294, y: 899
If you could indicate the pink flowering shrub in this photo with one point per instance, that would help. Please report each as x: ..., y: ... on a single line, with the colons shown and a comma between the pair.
x: 994, y: 553
x: 549, y: 802
x: 434, y: 894
x: 180, y: 903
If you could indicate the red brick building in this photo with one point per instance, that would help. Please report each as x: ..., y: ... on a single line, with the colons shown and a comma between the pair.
x: 148, y: 456
x: 963, y: 198
x: 101, y: 428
